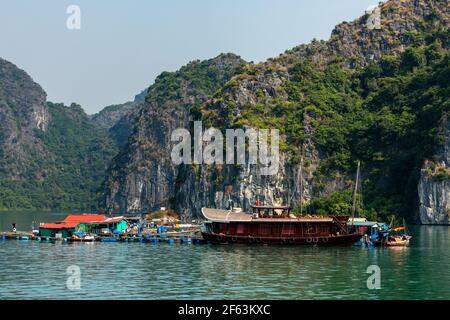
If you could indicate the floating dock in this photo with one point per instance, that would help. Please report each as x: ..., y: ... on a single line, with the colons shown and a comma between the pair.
x: 171, y: 238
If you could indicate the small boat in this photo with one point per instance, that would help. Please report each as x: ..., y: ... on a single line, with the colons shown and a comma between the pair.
x: 82, y: 237
x: 393, y: 239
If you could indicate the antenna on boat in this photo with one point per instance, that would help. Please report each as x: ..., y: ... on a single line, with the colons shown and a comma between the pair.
x: 355, y: 192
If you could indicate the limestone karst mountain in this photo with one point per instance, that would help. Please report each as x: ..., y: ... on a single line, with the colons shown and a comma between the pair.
x: 369, y: 94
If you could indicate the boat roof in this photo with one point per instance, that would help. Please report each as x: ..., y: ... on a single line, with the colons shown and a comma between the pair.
x: 220, y: 215
x: 361, y: 223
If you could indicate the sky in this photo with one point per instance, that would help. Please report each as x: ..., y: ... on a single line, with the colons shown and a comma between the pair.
x: 122, y: 46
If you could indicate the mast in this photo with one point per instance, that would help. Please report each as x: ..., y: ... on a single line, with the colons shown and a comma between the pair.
x: 392, y: 222
x: 355, y: 192
x: 301, y: 186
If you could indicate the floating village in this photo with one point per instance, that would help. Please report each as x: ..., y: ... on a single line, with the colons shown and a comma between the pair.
x: 265, y: 225
x: 89, y: 227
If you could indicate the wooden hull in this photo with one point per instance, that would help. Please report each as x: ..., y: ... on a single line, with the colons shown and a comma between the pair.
x: 348, y: 239
x: 238, y: 227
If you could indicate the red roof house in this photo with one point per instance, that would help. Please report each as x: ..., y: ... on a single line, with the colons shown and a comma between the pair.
x: 85, y: 217
x: 68, y: 225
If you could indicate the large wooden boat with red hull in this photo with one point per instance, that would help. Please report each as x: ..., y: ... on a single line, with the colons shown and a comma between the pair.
x: 275, y: 225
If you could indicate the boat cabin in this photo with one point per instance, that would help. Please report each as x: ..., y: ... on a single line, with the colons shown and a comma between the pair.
x: 271, y: 211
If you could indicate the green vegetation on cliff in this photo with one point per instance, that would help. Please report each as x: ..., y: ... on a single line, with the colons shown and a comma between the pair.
x: 387, y: 114
x: 72, y: 168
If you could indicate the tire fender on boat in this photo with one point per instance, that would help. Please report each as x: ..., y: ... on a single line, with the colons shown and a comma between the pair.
x: 316, y: 239
x: 309, y: 239
x: 234, y: 238
x: 251, y: 239
x: 325, y: 239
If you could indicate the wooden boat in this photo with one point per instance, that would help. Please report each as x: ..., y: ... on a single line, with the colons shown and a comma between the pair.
x: 397, y: 241
x: 393, y: 238
x: 275, y: 225
x: 393, y: 241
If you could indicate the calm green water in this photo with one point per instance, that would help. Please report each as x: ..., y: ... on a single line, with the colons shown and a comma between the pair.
x: 31, y: 269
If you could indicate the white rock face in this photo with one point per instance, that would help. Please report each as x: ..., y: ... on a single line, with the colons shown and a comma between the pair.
x: 434, y: 186
x: 41, y: 118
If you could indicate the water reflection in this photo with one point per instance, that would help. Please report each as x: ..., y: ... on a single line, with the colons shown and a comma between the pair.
x: 33, y: 269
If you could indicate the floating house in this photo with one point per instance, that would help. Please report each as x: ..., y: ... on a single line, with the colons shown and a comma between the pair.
x: 108, y: 225
x: 92, y: 223
x: 58, y: 228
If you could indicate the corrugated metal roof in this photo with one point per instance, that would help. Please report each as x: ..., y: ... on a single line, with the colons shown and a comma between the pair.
x: 85, y: 217
x: 72, y: 220
x: 107, y: 220
x: 63, y: 225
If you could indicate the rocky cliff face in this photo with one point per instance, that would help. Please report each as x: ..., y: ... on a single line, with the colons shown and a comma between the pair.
x: 143, y: 177
x: 434, y: 185
x: 279, y: 93
x: 118, y: 119
x: 23, y: 110
x: 51, y: 155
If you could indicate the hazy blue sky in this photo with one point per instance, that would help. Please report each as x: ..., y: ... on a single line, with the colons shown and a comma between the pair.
x: 123, y: 45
